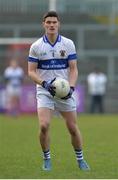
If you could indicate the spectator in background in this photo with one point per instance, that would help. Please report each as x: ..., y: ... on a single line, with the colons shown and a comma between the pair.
x: 13, y: 75
x: 97, y: 88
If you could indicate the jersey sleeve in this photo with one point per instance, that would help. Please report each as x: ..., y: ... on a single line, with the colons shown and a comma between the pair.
x: 6, y: 75
x: 72, y: 55
x: 32, y: 55
x: 22, y: 73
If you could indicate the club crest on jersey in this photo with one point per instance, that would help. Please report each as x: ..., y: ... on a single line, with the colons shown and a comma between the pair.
x: 62, y: 53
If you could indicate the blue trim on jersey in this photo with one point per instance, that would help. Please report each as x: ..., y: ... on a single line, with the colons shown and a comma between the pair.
x: 52, y: 64
x: 45, y: 39
x: 72, y: 56
x: 31, y: 59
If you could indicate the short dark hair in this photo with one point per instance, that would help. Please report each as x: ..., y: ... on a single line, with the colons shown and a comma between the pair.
x: 51, y: 14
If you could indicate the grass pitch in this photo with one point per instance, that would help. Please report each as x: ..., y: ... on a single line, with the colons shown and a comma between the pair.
x: 21, y: 156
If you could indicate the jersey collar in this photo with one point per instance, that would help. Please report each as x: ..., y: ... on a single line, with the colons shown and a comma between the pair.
x: 45, y: 39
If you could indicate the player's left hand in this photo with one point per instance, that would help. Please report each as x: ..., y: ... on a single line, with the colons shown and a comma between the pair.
x: 69, y: 94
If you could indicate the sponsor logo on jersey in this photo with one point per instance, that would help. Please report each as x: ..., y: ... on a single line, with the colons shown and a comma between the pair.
x: 43, y: 54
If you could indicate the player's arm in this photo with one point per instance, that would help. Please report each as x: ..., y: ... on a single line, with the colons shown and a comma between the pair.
x: 73, y: 75
x: 73, y: 72
x: 32, y: 72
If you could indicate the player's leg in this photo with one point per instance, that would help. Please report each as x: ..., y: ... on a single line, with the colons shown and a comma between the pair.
x: 70, y: 119
x: 13, y: 105
x: 15, y: 102
x: 76, y: 139
x: 45, y: 108
x: 45, y: 115
x: 101, y: 107
x: 9, y: 94
x: 92, y: 104
x: 17, y: 95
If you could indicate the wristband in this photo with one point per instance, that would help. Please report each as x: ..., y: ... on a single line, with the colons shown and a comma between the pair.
x: 72, y: 87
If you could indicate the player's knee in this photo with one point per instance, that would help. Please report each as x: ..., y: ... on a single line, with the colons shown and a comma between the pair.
x: 44, y: 127
x: 72, y: 131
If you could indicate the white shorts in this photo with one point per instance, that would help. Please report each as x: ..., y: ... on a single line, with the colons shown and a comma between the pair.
x: 56, y: 104
x: 13, y: 91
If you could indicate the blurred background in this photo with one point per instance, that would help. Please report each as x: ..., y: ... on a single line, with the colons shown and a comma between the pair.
x: 91, y: 24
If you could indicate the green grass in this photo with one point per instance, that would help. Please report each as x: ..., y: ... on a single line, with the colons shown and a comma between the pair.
x: 21, y: 156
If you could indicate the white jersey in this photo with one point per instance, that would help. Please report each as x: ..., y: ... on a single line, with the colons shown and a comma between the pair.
x: 14, y: 76
x: 52, y: 60
x: 97, y: 83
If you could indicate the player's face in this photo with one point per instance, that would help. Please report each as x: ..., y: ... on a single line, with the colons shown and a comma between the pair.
x: 14, y: 64
x: 51, y: 25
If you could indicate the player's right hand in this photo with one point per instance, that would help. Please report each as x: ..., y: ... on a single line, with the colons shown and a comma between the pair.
x: 49, y: 87
x: 69, y: 94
